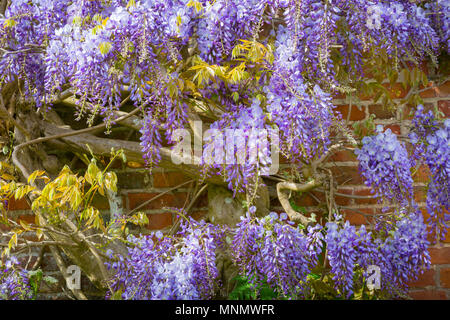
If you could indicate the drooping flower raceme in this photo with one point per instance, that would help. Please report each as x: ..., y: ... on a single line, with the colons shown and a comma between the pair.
x: 162, y: 267
x: 431, y: 142
x: 386, y: 167
x: 272, y: 250
x: 403, y: 255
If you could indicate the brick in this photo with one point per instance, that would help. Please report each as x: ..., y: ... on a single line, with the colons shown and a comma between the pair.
x: 365, y: 192
x: 134, y: 180
x: 381, y: 112
x: 394, y: 128
x: 397, y: 91
x: 199, y: 214
x: 340, y: 95
x: 159, y: 221
x: 408, y: 111
x: 357, y: 113
x: 344, y: 156
x: 440, y: 255
x: 420, y: 194
x: 444, y: 277
x: 443, y: 90
x: 423, y: 66
x: 347, y: 175
x: 447, y: 238
x: 422, y: 175
x: 356, y: 218
x: 343, y: 201
x: 166, y: 200
x: 168, y: 179
x: 429, y: 93
x: 29, y: 218
x: 431, y: 294
x: 444, y: 107
x: 101, y: 203
x: 306, y: 200
x: 425, y: 279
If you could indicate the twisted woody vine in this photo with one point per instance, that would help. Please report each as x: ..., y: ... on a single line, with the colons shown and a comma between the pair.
x: 100, y: 82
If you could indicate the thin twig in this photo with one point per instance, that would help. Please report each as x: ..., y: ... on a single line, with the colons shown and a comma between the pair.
x: 176, y: 225
x: 158, y: 196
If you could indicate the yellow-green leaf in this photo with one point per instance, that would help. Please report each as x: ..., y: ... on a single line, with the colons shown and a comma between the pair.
x: 105, y: 47
x: 6, y: 176
x: 9, y: 23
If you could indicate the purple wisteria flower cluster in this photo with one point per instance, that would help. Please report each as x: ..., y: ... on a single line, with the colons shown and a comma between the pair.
x: 386, y: 167
x: 243, y: 150
x: 14, y: 281
x: 403, y: 255
x: 439, y: 13
x: 431, y: 142
x: 399, y: 248
x: 163, y: 267
x: 273, y: 250
x: 343, y: 244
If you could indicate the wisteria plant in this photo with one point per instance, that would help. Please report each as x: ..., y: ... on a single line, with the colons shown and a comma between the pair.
x: 92, y: 77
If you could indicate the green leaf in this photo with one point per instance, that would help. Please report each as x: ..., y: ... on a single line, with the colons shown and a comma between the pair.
x: 9, y: 23
x: 105, y: 47
x: 50, y: 280
x: 117, y: 295
x: 235, y: 96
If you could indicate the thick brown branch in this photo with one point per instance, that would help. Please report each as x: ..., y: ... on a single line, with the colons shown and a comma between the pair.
x: 284, y: 199
x: 132, y: 150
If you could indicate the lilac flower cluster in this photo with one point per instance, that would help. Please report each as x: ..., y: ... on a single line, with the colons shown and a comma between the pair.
x: 164, y: 267
x: 439, y: 12
x: 431, y: 141
x: 240, y: 146
x: 302, y: 114
x: 403, y: 255
x: 23, y: 39
x: 272, y: 250
x: 342, y: 246
x: 399, y: 248
x: 14, y: 282
x: 386, y: 167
